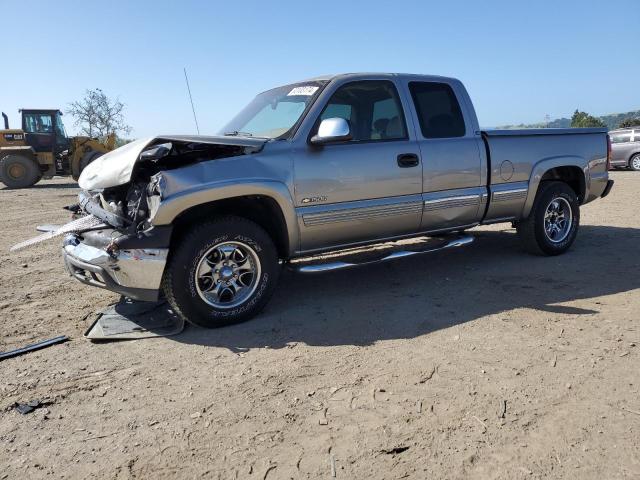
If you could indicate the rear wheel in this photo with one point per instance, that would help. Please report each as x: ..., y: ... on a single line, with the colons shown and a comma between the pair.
x: 552, y: 225
x: 222, y: 272
x: 634, y: 162
x: 18, y: 171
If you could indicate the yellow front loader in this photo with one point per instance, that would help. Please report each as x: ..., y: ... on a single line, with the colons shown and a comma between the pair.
x: 42, y: 149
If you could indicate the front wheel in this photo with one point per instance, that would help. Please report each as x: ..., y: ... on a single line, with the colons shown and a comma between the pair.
x: 222, y: 272
x: 634, y: 163
x: 87, y: 158
x: 19, y: 171
x: 552, y: 225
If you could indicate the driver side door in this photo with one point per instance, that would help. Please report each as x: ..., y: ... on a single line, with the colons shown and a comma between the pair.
x: 364, y: 189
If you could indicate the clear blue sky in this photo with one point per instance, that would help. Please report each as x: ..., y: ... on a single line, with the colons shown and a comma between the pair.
x: 519, y: 60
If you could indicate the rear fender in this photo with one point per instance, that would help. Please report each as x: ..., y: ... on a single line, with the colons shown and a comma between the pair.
x: 546, y: 165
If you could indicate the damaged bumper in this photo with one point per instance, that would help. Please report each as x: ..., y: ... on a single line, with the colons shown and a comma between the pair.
x: 129, y: 265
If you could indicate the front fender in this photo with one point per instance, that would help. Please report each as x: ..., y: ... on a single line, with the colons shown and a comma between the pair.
x: 543, y: 166
x: 173, y: 204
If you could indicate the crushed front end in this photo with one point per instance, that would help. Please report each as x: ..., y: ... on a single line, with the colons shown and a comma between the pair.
x: 121, y: 249
x: 124, y: 254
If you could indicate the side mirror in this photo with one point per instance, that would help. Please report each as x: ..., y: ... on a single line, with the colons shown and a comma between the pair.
x: 332, y: 130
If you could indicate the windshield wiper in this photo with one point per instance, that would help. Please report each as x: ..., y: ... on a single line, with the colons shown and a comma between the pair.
x: 236, y: 133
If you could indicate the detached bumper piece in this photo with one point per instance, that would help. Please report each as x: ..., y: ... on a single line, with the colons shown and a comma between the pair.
x: 134, y: 273
x: 130, y: 320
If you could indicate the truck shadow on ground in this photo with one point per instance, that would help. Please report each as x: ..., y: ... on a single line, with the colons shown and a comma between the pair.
x: 413, y: 297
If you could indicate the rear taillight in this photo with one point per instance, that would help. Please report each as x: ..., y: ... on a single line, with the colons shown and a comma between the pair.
x: 608, y: 152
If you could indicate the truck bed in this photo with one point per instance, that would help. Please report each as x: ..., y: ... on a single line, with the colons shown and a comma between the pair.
x: 518, y: 159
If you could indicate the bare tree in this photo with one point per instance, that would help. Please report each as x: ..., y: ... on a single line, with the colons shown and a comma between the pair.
x: 97, y: 115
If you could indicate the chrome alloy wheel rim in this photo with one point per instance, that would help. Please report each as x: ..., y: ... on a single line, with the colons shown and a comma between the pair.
x: 228, y: 274
x: 558, y: 219
x: 636, y: 162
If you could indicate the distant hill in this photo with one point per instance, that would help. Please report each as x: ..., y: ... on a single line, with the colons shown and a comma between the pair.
x: 611, y: 121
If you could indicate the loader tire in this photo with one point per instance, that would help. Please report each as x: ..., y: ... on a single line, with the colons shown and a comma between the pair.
x: 88, y: 158
x: 19, y: 171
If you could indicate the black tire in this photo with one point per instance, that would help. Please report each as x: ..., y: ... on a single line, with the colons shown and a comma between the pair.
x: 18, y: 171
x: 634, y: 162
x: 532, y: 232
x: 185, y: 291
x: 87, y: 158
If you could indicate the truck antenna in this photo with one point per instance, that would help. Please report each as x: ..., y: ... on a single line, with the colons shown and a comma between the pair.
x: 191, y: 100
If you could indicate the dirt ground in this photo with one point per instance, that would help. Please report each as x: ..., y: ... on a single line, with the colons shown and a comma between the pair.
x: 399, y: 370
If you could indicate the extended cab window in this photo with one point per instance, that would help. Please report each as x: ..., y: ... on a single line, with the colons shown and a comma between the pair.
x: 371, y: 107
x: 438, y: 110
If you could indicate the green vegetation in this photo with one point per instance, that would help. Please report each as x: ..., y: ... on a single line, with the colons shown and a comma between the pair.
x: 612, y: 121
x: 584, y: 120
x: 630, y: 122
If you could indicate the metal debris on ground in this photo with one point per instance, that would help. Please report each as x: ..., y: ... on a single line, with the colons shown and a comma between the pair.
x: 131, y: 319
x: 503, y: 409
x: 77, y: 225
x: 29, y: 406
x: 395, y: 450
x: 33, y: 347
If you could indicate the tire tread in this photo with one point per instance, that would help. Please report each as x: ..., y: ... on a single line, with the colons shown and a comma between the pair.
x: 527, y: 228
x: 193, y: 235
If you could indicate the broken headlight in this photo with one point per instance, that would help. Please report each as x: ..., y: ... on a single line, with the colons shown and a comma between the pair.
x: 136, y: 208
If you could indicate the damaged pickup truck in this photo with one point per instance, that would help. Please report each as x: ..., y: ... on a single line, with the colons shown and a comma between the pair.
x: 321, y: 166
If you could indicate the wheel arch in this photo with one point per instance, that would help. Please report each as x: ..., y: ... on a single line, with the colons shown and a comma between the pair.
x: 631, y: 155
x: 25, y: 151
x: 571, y: 170
x: 271, y: 209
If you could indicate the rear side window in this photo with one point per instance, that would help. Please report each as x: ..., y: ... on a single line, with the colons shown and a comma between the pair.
x: 621, y: 138
x: 438, y: 110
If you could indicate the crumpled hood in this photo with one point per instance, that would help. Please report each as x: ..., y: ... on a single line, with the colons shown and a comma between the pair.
x: 114, y: 168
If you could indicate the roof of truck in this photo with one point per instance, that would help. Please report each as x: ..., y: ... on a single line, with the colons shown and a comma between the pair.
x: 321, y: 78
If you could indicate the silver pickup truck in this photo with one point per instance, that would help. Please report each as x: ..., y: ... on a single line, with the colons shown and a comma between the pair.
x: 306, y: 173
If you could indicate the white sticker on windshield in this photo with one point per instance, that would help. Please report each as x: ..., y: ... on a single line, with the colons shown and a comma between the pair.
x: 306, y: 91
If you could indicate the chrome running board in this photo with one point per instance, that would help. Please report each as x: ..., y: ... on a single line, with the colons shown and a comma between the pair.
x: 312, y: 265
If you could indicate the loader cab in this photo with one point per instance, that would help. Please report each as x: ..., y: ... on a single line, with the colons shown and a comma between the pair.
x: 44, y: 130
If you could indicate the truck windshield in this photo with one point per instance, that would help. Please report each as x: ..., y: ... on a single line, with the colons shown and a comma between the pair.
x: 272, y: 114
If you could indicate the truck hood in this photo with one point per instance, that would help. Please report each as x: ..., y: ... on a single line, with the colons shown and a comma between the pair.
x: 115, y: 168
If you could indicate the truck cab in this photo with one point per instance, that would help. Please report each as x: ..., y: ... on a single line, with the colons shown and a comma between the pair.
x: 44, y: 130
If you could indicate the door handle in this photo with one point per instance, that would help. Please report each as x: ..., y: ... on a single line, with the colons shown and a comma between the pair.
x: 406, y: 160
